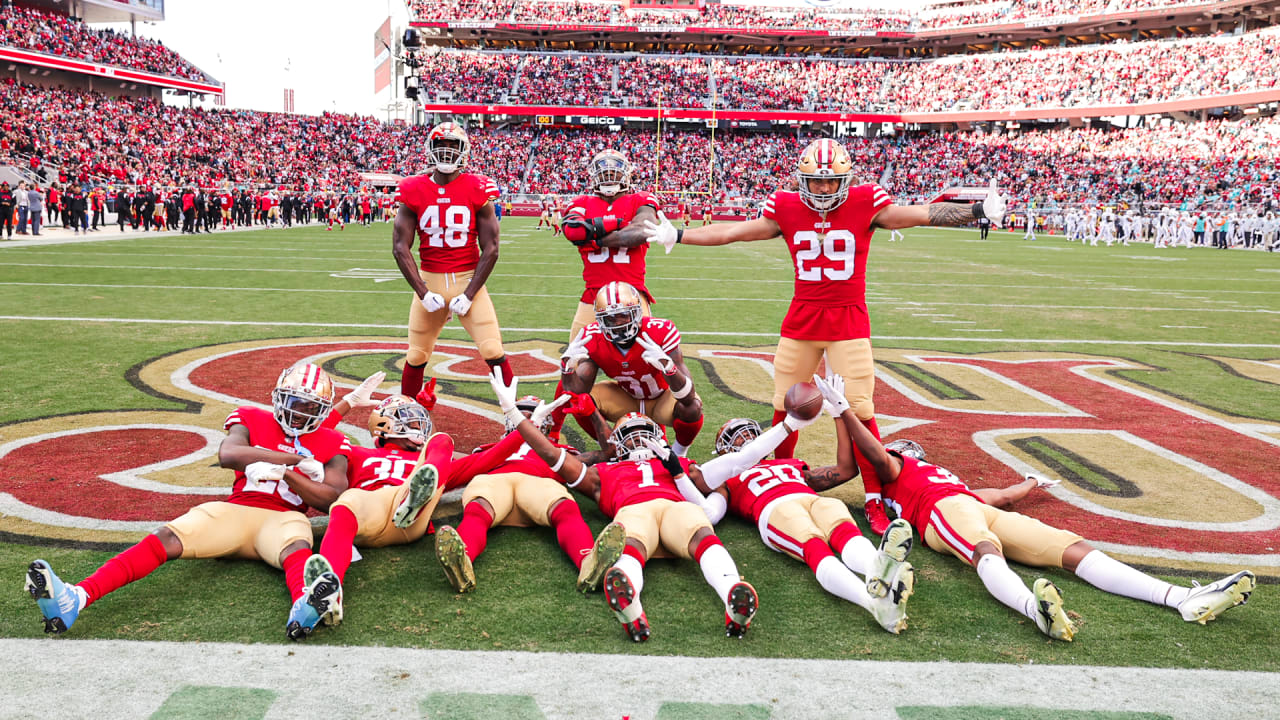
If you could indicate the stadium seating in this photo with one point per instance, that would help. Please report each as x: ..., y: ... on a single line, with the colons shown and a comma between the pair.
x: 31, y: 29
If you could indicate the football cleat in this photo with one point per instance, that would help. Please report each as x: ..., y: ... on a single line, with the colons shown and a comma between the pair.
x: 316, y: 566
x: 623, y: 600
x: 895, y: 546
x: 606, y: 551
x: 451, y: 551
x: 59, y: 602
x: 1209, y: 601
x: 1050, y: 617
x: 890, y: 609
x: 302, y: 619
x: 423, y: 483
x: 742, y: 606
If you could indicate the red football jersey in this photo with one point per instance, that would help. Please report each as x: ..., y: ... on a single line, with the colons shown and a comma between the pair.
x: 482, y: 460
x: 830, y: 257
x: 765, y: 482
x: 447, y: 237
x: 918, y: 487
x: 265, y: 432
x: 527, y: 462
x: 633, y: 482
x: 373, y: 468
x: 641, y: 380
x: 605, y: 265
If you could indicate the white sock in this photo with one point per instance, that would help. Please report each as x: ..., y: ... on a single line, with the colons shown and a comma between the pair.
x: 859, y: 555
x: 1005, y: 585
x: 82, y: 594
x: 1106, y: 573
x: 719, y: 570
x: 679, y: 449
x: 633, y: 569
x: 840, y: 581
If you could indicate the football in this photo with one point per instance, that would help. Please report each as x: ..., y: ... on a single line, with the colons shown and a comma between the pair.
x: 803, y: 400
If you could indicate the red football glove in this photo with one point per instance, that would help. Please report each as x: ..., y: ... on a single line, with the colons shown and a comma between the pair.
x: 875, y: 515
x: 426, y: 397
x: 582, y: 405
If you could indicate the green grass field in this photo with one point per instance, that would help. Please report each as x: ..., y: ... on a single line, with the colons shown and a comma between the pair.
x: 1185, y: 316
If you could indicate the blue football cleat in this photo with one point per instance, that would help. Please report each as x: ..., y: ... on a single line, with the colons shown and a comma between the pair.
x: 302, y: 619
x: 59, y: 602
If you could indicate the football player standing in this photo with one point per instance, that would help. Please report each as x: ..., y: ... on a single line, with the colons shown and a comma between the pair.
x: 451, y: 213
x: 284, y: 463
x: 827, y: 225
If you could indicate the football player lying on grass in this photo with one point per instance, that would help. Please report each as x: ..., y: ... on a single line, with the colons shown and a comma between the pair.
x: 640, y: 491
x: 792, y: 519
x: 971, y: 524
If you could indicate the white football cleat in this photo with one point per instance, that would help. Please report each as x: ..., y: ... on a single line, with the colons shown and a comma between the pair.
x: 1209, y: 601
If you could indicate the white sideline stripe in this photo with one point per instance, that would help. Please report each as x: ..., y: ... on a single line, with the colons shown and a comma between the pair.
x: 708, y: 333
x: 391, y: 681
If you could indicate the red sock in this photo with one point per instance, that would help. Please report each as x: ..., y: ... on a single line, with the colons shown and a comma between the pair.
x: 786, y: 448
x: 506, y: 368
x: 336, y: 545
x: 707, y: 543
x: 474, y: 528
x: 842, y: 534
x: 411, y: 379
x: 865, y: 467
x: 133, y: 564
x: 293, y: 572
x: 635, y: 553
x: 440, y: 454
x: 686, y: 431
x: 571, y: 531
x: 815, y: 551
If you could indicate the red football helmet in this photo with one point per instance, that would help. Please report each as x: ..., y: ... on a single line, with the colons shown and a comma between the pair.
x: 302, y: 398
x: 448, y: 147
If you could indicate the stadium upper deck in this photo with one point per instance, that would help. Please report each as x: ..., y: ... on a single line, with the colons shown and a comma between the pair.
x: 727, y: 28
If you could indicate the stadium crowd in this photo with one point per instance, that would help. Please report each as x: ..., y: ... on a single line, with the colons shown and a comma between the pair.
x: 32, y: 29
x: 1115, y: 74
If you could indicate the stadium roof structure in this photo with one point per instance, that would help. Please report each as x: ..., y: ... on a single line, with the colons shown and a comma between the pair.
x: 103, y: 11
x: 1187, y: 19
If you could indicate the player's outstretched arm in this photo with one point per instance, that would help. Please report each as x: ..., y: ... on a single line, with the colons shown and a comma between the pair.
x: 665, y: 234
x: 718, y: 471
x: 943, y: 214
x: 574, y: 474
x: 634, y: 234
x: 825, y: 478
x: 714, y: 504
x: 1006, y: 497
x: 403, y: 233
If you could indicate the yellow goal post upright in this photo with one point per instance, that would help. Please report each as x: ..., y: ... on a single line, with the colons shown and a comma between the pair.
x: 709, y: 192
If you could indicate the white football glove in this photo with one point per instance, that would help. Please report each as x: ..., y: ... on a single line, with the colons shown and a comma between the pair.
x: 832, y: 389
x: 361, y: 396
x: 1044, y: 482
x: 544, y: 410
x: 506, y: 395
x: 432, y: 301
x: 653, y: 354
x: 575, y: 353
x: 796, y: 423
x: 660, y: 450
x: 461, y: 304
x: 831, y: 410
x: 660, y: 233
x: 258, y: 472
x: 312, y: 468
x: 994, y: 205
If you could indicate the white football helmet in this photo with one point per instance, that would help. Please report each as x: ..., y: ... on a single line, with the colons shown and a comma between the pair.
x: 906, y: 448
x: 448, y: 147
x: 736, y: 433
x: 629, y: 434
x: 400, y: 417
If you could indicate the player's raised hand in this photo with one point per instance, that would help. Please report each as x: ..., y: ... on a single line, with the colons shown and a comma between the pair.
x: 505, y: 393
x: 461, y: 304
x: 661, y: 233
x: 362, y: 395
x: 583, y: 405
x: 652, y: 353
x: 660, y: 451
x: 575, y: 353
x: 432, y: 301
x: 832, y: 389
x: 544, y: 410
x: 994, y: 205
x: 426, y: 397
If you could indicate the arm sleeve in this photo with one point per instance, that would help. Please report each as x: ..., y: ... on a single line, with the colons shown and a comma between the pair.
x: 713, y: 505
x: 331, y: 420
x: 719, y: 470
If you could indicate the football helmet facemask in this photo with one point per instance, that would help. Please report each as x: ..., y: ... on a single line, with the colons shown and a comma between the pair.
x: 629, y: 434
x: 448, y: 147
x: 526, y: 405
x: 302, y: 398
x: 736, y: 433
x: 906, y: 448
x: 618, y: 310
x: 824, y: 159
x: 400, y: 417
x: 609, y: 174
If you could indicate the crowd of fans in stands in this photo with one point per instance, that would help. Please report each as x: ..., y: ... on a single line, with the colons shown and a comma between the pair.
x: 781, y: 17
x: 1119, y: 74
x: 31, y: 29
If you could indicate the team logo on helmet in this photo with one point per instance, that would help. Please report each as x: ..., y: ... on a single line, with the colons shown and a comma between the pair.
x: 609, y: 173
x: 448, y: 147
x: 630, y: 433
x: 736, y: 433
x: 302, y: 398
x: 399, y: 417
x: 618, y: 310
x: 906, y: 448
x: 824, y: 159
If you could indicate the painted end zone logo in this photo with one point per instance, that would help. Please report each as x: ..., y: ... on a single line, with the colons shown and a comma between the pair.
x: 1153, y: 479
